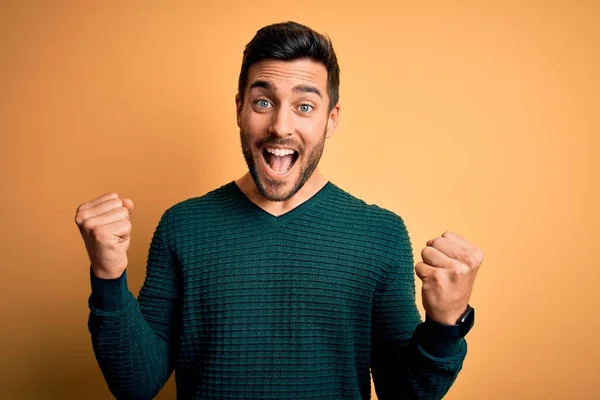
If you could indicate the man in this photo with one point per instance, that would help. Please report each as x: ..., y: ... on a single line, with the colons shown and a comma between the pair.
x: 278, y: 285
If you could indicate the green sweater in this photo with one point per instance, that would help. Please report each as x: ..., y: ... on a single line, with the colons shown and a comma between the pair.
x: 246, y: 305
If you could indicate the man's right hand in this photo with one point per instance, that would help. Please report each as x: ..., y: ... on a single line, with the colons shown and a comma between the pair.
x: 105, y: 228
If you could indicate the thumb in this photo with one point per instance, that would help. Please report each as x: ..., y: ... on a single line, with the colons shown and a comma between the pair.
x: 128, y: 203
x: 122, y: 230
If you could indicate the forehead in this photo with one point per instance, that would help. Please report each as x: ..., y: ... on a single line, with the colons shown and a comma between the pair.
x: 284, y: 75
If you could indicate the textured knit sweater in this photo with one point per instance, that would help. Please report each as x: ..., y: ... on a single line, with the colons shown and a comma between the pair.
x: 246, y: 305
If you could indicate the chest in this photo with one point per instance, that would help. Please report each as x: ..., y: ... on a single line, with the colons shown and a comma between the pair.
x: 278, y: 279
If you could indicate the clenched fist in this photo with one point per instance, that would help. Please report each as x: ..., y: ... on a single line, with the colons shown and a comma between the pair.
x: 105, y: 228
x: 448, y: 272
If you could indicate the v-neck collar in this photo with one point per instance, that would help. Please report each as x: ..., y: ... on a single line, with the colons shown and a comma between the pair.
x: 277, y: 220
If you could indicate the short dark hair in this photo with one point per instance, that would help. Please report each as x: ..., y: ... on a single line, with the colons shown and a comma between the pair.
x: 288, y: 41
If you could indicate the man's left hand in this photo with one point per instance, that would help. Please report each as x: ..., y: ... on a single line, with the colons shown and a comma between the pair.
x: 448, y: 272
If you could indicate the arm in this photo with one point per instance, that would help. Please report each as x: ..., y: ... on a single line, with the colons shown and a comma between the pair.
x: 135, y: 341
x: 408, y: 362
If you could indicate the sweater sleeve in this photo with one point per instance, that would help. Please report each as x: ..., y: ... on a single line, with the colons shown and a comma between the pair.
x: 134, y: 341
x: 407, y: 364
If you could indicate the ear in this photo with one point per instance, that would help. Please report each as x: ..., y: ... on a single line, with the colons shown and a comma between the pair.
x: 238, y: 110
x: 332, y: 120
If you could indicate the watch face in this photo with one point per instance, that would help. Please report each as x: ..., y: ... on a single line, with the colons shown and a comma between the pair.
x: 467, y: 320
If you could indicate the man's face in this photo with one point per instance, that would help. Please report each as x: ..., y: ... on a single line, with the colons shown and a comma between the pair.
x: 283, y: 123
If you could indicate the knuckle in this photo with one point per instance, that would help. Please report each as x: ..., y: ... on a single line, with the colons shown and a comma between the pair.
x: 80, y: 214
x: 123, y: 212
x: 435, y: 276
x: 95, y: 233
x: 113, y: 204
x: 88, y: 226
x: 466, y: 257
x: 426, y: 253
x: 470, y: 259
x: 79, y: 218
x: 456, y: 271
x: 479, y: 255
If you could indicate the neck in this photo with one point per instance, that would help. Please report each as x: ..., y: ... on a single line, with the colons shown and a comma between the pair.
x: 315, y: 183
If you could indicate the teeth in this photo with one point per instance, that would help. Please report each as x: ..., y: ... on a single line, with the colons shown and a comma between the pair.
x: 280, y: 152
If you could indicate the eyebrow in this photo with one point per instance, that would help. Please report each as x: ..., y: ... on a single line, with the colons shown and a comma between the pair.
x: 296, y: 89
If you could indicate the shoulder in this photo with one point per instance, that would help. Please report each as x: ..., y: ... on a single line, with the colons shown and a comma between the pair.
x: 360, y: 213
x: 382, y: 232
x: 210, y: 203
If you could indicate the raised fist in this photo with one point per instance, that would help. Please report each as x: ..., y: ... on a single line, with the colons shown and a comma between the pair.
x: 448, y: 271
x: 105, y: 228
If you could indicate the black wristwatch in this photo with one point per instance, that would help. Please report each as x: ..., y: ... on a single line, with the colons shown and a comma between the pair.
x: 459, y: 330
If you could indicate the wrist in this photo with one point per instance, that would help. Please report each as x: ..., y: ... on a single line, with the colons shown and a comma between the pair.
x: 458, y: 328
x: 102, y: 273
x: 109, y: 294
x: 447, y: 318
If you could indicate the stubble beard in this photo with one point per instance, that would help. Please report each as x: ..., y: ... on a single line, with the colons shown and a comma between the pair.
x: 269, y: 189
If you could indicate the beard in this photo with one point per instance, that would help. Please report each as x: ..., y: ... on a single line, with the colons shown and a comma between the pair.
x: 270, y: 189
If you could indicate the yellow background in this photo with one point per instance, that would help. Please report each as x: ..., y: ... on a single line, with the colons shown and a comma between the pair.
x: 476, y: 117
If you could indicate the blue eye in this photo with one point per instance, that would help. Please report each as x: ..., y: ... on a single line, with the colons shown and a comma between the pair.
x: 262, y: 103
x: 305, y: 108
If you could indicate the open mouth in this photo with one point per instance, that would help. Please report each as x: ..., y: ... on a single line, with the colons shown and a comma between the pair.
x: 280, y: 161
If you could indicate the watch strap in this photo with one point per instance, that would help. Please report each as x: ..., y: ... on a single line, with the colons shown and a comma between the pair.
x: 458, y: 330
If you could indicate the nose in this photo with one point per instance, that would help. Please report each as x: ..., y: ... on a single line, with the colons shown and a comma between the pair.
x: 281, y: 122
